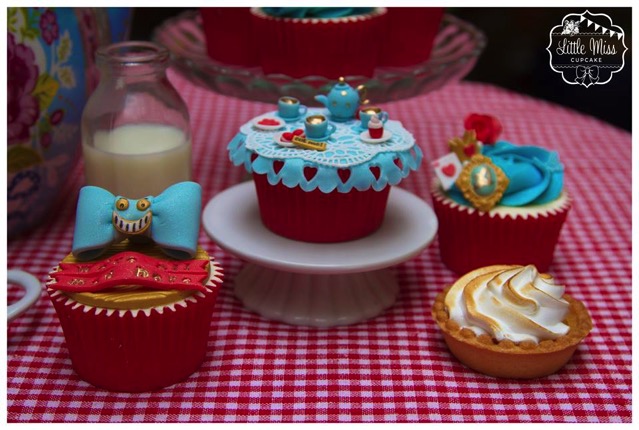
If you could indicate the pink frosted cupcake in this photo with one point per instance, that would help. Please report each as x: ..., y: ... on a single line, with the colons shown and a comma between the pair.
x: 375, y: 127
x: 498, y: 204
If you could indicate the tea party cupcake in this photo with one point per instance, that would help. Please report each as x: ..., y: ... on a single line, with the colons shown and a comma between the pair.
x: 135, y: 296
x: 318, y: 41
x: 329, y: 188
x: 496, y: 202
x: 511, y: 321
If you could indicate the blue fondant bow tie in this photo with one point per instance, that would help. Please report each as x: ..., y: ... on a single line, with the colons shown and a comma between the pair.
x: 171, y: 220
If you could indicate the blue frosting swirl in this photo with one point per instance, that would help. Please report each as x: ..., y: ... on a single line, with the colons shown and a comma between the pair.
x: 315, y: 12
x: 536, y: 175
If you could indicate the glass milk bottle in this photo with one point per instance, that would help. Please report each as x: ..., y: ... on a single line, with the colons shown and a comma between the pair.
x: 136, y: 138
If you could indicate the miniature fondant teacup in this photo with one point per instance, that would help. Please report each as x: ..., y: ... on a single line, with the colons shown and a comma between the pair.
x: 290, y: 108
x: 366, y: 113
x: 318, y: 127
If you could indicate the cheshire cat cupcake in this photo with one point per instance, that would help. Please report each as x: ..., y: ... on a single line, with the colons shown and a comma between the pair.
x: 511, y: 322
x: 135, y: 296
x: 498, y: 203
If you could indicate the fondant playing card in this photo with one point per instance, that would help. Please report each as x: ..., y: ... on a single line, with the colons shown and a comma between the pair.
x: 447, y: 169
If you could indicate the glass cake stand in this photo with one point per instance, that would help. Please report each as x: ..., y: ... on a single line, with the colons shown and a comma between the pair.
x: 456, y: 49
x: 313, y: 284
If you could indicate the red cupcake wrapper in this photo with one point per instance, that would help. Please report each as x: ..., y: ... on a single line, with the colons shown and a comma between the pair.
x: 319, y: 217
x: 324, y: 47
x: 409, y: 36
x: 229, y: 36
x: 469, y: 240
x: 376, y: 133
x: 132, y: 351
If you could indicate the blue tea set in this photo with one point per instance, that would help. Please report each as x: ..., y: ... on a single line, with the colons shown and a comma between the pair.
x: 342, y: 101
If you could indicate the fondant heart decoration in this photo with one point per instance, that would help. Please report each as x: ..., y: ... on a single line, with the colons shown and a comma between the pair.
x: 469, y: 150
x: 269, y: 122
x: 449, y: 170
x: 289, y: 135
x: 309, y: 173
x: 277, y: 166
x: 344, y: 174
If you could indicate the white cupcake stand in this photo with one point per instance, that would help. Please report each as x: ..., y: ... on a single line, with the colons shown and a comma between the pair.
x: 312, y: 284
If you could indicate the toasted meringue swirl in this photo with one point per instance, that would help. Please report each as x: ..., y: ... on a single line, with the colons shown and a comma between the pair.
x: 509, y: 302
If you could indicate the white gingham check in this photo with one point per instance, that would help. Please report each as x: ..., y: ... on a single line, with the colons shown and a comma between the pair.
x: 395, y: 367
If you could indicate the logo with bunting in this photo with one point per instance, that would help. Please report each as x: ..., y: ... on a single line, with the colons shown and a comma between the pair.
x: 587, y: 49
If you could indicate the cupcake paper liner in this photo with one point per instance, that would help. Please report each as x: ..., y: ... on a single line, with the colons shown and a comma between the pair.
x: 136, y: 350
x: 319, y: 217
x: 409, y: 36
x: 329, y: 47
x: 229, y: 35
x: 472, y: 239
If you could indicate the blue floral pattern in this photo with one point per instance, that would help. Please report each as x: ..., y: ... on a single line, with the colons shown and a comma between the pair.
x: 50, y: 66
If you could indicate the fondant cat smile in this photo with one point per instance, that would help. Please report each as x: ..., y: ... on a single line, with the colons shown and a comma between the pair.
x: 137, y: 226
x: 124, y: 211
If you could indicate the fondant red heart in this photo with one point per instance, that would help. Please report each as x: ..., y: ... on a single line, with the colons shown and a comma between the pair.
x: 277, y: 166
x: 268, y: 121
x: 449, y: 170
x: 309, y: 173
x: 344, y: 174
x: 469, y: 150
x: 287, y: 136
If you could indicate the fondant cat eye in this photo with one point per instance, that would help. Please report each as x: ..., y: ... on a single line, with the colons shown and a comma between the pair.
x: 122, y: 204
x: 143, y: 204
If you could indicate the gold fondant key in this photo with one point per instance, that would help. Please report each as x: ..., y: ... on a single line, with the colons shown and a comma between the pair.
x: 309, y: 144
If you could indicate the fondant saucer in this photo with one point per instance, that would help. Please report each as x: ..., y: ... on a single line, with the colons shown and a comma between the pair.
x: 366, y: 137
x: 320, y: 139
x: 278, y: 139
x: 268, y: 123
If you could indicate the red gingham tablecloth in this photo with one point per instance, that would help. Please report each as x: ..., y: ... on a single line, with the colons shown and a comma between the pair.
x: 395, y: 367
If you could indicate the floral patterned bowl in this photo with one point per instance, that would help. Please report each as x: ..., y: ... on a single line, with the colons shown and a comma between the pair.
x: 51, y: 73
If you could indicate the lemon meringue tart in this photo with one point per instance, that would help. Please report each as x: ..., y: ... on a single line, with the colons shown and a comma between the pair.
x: 511, y: 321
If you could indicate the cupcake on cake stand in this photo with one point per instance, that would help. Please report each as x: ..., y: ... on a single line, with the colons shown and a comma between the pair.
x: 315, y: 284
x: 455, y: 50
x: 319, y: 224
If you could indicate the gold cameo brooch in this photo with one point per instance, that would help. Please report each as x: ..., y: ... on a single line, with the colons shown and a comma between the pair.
x: 482, y: 182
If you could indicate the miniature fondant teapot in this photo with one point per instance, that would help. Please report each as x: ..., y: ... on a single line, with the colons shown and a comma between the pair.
x: 343, y: 100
